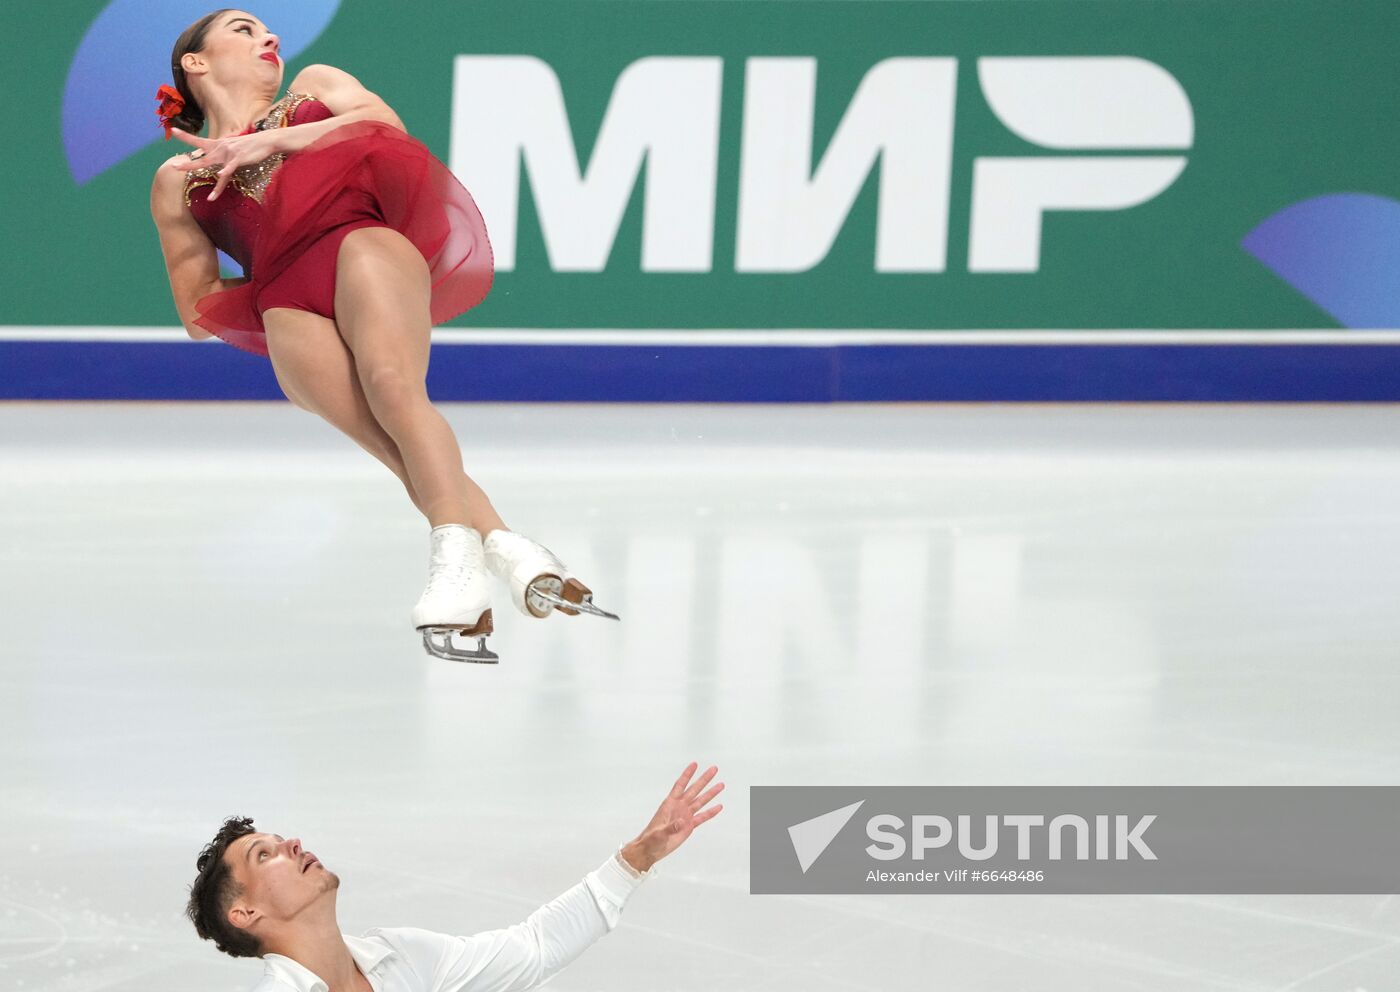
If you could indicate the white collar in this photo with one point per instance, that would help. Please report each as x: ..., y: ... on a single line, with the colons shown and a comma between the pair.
x: 367, y: 954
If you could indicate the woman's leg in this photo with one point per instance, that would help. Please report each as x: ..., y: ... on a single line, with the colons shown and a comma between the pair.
x: 317, y: 372
x: 381, y: 305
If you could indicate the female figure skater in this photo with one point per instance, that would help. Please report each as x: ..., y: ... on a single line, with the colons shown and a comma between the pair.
x: 355, y: 240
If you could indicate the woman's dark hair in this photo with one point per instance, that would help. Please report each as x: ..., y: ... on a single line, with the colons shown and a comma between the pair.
x: 191, y: 118
x: 214, y: 890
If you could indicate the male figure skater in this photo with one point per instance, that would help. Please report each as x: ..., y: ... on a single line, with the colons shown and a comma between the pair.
x: 259, y: 895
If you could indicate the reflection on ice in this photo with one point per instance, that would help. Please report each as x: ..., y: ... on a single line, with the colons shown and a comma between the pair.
x: 208, y: 613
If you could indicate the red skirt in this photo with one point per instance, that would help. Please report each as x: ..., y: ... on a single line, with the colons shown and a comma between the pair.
x: 361, y: 174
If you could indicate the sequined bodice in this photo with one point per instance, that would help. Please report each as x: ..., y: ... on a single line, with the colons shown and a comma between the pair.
x: 231, y: 221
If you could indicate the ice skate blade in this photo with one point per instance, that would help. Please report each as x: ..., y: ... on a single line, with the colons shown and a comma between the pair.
x: 437, y: 641
x: 576, y: 598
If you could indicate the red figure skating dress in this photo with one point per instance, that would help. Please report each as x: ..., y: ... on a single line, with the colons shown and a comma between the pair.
x: 283, y: 220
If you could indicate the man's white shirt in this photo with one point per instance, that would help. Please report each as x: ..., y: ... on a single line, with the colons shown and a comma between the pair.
x: 406, y: 959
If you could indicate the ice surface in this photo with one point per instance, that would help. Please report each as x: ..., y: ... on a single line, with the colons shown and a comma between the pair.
x: 207, y: 612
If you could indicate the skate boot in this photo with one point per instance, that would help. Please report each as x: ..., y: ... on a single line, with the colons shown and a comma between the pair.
x: 456, y: 599
x: 539, y: 582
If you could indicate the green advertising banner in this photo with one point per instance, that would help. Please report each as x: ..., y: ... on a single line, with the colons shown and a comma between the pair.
x: 780, y: 200
x: 1000, y: 164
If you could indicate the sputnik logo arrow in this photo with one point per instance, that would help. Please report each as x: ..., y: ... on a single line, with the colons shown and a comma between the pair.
x: 811, y: 837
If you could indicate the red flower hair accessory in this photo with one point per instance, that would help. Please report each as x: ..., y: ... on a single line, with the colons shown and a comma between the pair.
x: 171, y: 103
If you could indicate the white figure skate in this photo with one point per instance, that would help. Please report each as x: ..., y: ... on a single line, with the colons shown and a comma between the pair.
x: 456, y: 600
x: 539, y: 582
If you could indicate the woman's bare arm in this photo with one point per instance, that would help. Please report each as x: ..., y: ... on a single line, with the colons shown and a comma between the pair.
x: 344, y: 96
x: 191, y: 260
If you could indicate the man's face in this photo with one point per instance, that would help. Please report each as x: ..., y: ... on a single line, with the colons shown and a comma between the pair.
x: 278, y: 880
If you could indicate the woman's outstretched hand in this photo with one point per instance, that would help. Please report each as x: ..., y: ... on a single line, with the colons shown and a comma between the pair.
x: 225, y: 154
x: 676, y: 818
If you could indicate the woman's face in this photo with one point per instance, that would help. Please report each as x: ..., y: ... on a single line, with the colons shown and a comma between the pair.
x: 237, y: 48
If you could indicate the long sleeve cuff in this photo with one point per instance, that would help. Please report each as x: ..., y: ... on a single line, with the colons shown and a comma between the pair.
x: 612, y: 883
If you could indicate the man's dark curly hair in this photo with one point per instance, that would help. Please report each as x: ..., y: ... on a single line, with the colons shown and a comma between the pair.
x: 214, y: 890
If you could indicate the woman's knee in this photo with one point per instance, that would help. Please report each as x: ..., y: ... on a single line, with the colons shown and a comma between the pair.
x: 392, y: 392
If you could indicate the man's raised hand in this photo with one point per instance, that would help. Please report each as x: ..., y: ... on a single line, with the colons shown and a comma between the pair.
x: 676, y: 818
